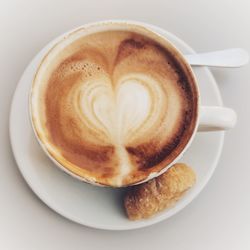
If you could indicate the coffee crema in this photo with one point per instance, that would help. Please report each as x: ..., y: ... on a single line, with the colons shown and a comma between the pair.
x: 114, y: 107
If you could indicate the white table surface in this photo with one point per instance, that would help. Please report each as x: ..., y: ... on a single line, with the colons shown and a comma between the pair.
x: 219, y: 218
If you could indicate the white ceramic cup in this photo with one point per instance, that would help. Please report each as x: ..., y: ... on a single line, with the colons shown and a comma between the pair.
x: 210, y: 118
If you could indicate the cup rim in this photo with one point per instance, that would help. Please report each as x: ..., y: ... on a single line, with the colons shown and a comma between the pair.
x: 60, y: 39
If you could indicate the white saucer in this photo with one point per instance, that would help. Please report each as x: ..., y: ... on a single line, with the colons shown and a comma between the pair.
x: 95, y: 206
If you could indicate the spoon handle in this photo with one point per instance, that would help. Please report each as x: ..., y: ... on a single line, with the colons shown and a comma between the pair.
x: 222, y: 58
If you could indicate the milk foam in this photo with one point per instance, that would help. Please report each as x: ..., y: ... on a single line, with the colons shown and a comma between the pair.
x: 113, y: 105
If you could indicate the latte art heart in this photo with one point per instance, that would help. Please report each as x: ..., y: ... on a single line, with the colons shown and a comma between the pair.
x: 122, y: 111
x: 115, y: 107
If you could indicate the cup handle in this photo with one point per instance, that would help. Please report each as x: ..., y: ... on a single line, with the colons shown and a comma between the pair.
x: 213, y: 118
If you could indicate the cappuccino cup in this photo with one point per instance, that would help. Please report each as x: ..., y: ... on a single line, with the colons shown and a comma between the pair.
x: 114, y: 103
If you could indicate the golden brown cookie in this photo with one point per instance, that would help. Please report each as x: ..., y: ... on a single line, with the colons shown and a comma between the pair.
x: 143, y: 201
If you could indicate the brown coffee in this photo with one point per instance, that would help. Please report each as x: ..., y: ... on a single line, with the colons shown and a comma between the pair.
x: 115, y: 107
